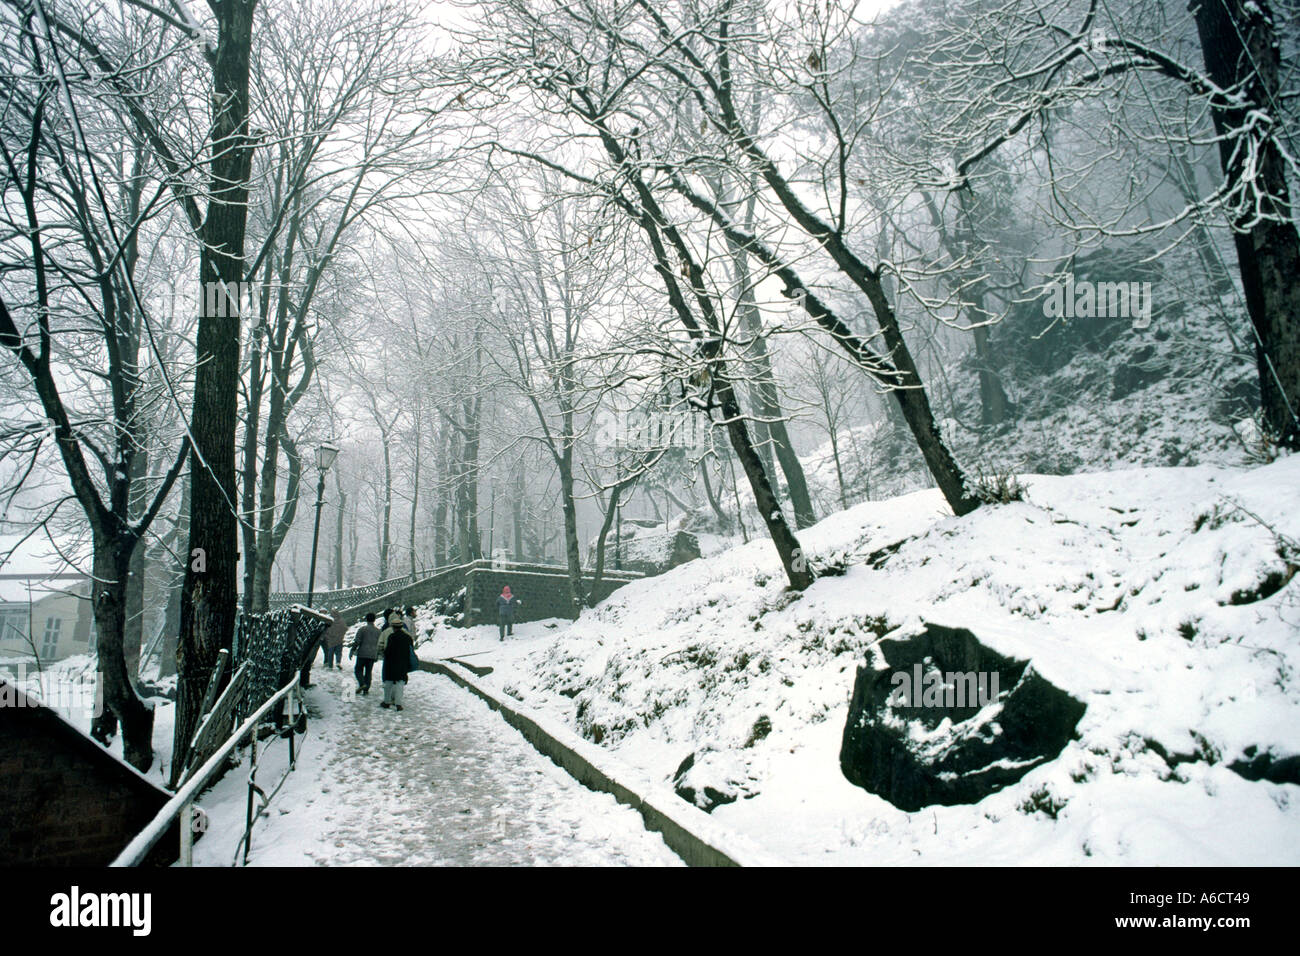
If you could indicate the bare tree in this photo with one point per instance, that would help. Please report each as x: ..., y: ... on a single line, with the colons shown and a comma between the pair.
x: 78, y: 329
x: 340, y: 153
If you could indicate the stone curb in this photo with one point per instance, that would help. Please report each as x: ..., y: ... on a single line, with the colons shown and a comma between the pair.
x: 688, y: 831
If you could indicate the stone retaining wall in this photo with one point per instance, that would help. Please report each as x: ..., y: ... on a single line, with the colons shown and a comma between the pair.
x: 544, y: 591
x: 688, y: 831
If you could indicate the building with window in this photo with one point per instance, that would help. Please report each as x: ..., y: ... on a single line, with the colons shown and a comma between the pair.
x: 45, y: 615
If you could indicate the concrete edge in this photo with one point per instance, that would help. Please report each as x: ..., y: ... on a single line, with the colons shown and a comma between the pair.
x: 688, y: 831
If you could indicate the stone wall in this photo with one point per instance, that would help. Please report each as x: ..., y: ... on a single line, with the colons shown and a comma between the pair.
x: 64, y: 800
x: 543, y: 589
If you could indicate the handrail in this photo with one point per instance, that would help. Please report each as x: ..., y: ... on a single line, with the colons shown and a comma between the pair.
x: 144, y: 841
x: 372, y: 590
x: 492, y: 564
x: 363, y: 593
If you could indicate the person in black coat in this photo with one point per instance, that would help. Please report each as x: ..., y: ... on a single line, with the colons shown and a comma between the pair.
x: 397, y: 664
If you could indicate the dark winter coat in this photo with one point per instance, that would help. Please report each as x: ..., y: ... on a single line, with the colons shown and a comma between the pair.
x: 506, y: 608
x: 397, y: 654
x: 366, y: 644
x: 333, y: 636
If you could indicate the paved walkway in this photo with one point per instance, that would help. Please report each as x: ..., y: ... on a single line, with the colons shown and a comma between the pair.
x: 445, y: 781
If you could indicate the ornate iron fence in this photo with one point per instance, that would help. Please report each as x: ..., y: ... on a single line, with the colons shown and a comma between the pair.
x: 350, y: 597
x: 275, y: 645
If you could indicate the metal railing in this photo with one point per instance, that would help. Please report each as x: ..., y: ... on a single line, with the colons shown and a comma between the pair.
x: 551, y: 570
x: 351, y: 597
x: 348, y: 597
x: 181, y: 807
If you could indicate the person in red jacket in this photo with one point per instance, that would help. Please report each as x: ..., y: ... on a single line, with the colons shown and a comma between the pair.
x: 506, y: 612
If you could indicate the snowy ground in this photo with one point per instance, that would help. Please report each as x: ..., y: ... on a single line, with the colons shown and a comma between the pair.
x: 1134, y: 590
x: 445, y: 781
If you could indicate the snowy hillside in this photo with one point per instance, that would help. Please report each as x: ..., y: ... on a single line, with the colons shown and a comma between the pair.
x: 1164, y: 599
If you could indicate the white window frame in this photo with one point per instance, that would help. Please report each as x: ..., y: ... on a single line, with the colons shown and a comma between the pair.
x: 50, y: 639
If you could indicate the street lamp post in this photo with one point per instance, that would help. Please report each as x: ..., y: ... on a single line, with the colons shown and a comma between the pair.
x: 325, y: 456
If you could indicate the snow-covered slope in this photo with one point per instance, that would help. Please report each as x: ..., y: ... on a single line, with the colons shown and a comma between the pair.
x: 1163, y: 598
x: 1179, y: 392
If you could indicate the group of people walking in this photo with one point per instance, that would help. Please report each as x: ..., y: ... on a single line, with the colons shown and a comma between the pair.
x: 393, y: 643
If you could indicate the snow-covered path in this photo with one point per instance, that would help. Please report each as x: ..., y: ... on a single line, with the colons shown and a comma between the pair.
x: 444, y: 782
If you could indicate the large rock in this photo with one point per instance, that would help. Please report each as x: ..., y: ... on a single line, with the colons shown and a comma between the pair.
x: 650, y: 550
x: 946, y: 720
x: 1144, y: 367
x: 709, y: 778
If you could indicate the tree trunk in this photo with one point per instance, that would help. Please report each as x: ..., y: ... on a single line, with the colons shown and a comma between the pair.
x: 441, y: 489
x: 248, y: 491
x: 338, y: 530
x: 415, y: 492
x: 261, y: 599
x: 771, y: 433
x: 170, y: 627
x: 993, y: 399
x: 112, y: 564
x: 793, y: 559
x: 467, y: 484
x: 133, y: 626
x: 611, y: 512
x: 176, y: 584
x: 264, y: 550
x: 724, y: 522
x: 572, y: 547
x: 1241, y: 52
x: 209, y: 601
x: 354, y: 544
x: 517, y: 513
x: 839, y: 469
x: 440, y: 550
x: 385, y: 532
